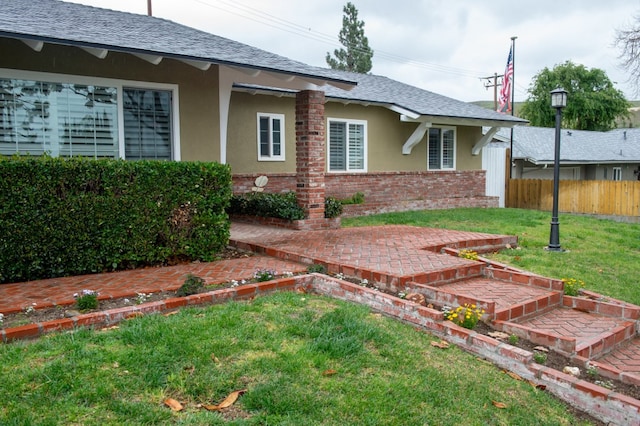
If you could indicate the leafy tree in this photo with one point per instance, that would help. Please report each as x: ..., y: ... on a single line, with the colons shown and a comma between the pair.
x: 628, y: 41
x: 356, y: 56
x: 592, y: 101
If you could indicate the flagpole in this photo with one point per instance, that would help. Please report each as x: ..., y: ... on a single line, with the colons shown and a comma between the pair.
x: 513, y: 106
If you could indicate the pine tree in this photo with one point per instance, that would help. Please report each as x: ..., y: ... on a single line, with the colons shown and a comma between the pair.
x: 356, y: 54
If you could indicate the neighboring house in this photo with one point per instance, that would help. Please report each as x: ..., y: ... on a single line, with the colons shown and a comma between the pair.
x: 77, y: 80
x: 584, y: 155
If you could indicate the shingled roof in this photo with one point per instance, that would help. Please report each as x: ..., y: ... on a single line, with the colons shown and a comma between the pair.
x: 383, y: 90
x: 58, y: 22
x: 537, y: 145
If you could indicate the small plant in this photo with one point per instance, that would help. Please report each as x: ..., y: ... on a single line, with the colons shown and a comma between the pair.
x: 86, y: 300
x: 1, y: 319
x: 357, y: 198
x: 572, y: 286
x: 605, y: 384
x: 236, y: 283
x: 142, y: 297
x: 466, y: 316
x: 513, y: 339
x: 262, y: 275
x: 540, y: 357
x: 316, y: 267
x: 468, y: 254
x: 592, y: 370
x: 402, y: 295
x: 192, y: 285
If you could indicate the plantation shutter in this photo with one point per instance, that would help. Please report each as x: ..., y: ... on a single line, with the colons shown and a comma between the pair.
x: 434, y: 149
x: 87, y: 121
x: 356, y: 147
x: 147, y: 124
x: 448, y: 147
x: 337, y: 145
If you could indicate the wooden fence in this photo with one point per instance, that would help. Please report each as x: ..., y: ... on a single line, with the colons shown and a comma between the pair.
x: 601, y: 197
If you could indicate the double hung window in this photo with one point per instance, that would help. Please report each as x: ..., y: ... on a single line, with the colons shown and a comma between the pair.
x: 270, y: 137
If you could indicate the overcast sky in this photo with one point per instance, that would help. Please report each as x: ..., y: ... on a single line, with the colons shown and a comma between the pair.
x: 444, y: 46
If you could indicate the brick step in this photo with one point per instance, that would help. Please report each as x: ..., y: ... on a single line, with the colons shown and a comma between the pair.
x: 624, y: 358
x: 572, y: 331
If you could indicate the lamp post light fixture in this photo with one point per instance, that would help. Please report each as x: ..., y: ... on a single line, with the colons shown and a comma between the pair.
x: 558, y: 101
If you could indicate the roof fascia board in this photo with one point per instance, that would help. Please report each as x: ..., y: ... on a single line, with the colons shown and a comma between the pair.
x: 458, y: 121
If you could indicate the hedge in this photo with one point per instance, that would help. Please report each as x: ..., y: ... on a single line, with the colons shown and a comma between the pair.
x: 62, y: 217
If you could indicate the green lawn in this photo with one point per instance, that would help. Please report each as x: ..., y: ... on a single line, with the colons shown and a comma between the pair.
x: 604, y: 254
x: 303, y: 360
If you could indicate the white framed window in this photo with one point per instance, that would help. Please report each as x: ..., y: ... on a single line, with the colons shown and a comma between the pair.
x: 270, y: 137
x: 67, y: 116
x: 441, y: 148
x: 347, y: 146
x: 617, y: 173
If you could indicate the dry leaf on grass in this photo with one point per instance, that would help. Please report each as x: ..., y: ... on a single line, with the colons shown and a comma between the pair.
x: 499, y: 404
x: 214, y: 358
x: 329, y: 372
x: 441, y: 344
x: 513, y: 375
x: 168, y: 314
x: 173, y: 404
x: 228, y: 401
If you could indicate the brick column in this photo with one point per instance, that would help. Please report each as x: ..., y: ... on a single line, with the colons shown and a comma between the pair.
x: 310, y: 154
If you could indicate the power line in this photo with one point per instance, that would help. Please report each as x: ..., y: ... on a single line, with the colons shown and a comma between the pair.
x: 259, y: 16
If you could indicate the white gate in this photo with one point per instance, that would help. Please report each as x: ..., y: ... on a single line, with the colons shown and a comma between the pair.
x: 493, y: 161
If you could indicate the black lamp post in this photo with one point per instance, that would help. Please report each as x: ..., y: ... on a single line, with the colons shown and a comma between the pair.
x: 558, y: 101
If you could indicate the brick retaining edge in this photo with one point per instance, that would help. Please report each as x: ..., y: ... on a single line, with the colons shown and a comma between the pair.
x: 603, y: 404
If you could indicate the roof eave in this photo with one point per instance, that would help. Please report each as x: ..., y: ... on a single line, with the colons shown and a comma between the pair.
x: 337, y: 82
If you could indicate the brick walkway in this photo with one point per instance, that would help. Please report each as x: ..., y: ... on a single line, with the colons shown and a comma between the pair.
x: 391, y: 251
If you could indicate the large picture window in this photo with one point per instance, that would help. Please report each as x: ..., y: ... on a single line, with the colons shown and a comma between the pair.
x: 270, y: 137
x: 58, y: 116
x: 63, y: 120
x: 441, y: 149
x: 347, y: 147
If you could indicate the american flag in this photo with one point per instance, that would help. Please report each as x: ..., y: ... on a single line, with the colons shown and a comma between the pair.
x: 507, y: 83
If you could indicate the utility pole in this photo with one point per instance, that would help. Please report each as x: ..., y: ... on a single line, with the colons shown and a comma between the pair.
x: 149, y: 8
x: 495, y: 86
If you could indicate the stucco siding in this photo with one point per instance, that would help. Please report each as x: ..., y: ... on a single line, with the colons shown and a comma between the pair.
x: 242, y: 146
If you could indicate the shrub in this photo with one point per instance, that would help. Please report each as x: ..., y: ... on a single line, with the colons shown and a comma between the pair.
x: 332, y: 208
x: 76, y: 216
x: 282, y: 206
x: 192, y: 285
